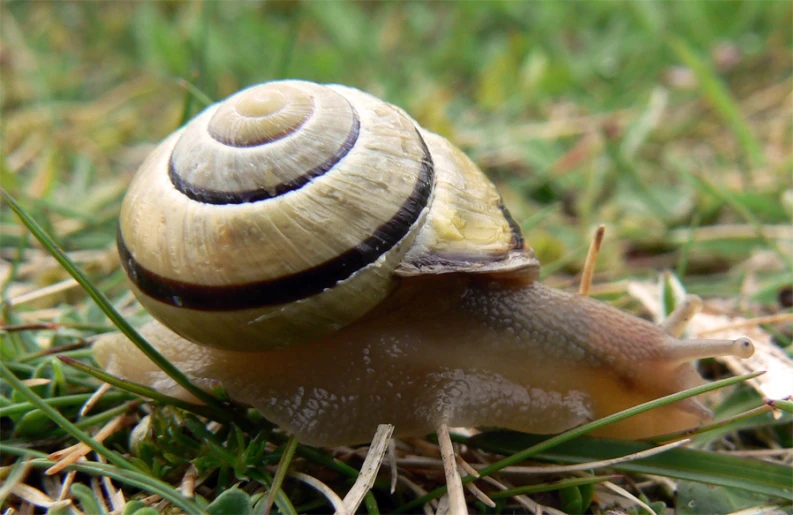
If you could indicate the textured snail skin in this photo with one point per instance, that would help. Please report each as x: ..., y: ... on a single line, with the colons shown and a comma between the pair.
x: 364, y: 273
x: 454, y: 349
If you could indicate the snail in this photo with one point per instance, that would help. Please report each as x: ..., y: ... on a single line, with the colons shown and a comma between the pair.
x: 328, y: 261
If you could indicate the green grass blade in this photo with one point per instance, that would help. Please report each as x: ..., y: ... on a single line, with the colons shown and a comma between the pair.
x: 128, y: 477
x: 524, y: 453
x: 783, y: 404
x: 105, y: 305
x: 145, y: 391
x: 709, y: 432
x: 722, y: 194
x: 716, y: 94
x: 64, y: 400
x: 280, y: 473
x: 62, y: 421
x: 611, y: 419
x: 690, y: 464
x: 548, y: 487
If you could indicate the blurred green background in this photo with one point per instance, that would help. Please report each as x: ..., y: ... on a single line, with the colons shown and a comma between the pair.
x: 648, y: 116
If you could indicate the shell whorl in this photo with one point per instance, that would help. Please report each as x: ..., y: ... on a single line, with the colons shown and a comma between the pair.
x: 287, y: 210
x: 263, y: 124
x: 283, y: 210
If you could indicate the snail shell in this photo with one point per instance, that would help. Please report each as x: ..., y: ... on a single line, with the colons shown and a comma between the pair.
x: 289, y: 210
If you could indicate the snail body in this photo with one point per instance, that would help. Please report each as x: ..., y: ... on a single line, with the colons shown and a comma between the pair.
x: 326, y: 260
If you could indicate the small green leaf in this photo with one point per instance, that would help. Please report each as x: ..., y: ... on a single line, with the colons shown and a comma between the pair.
x: 34, y: 424
x: 572, y: 500
x: 87, y: 500
x: 694, y: 498
x: 231, y: 502
x: 148, y: 510
x: 133, y: 507
x: 587, y: 494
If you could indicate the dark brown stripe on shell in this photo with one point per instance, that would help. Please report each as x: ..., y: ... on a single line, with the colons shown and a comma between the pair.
x: 517, y: 235
x: 292, y: 287
x: 218, y: 197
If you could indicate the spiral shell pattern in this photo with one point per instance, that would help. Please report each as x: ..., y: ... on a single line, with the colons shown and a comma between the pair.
x: 289, y: 209
x: 282, y: 211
